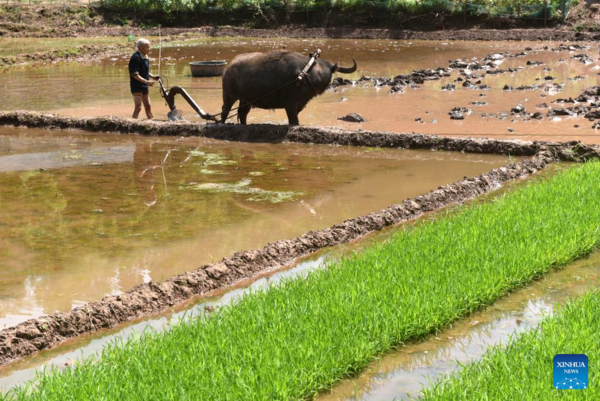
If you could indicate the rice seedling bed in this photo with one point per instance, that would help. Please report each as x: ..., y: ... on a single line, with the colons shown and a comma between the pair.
x: 524, y: 368
x: 300, y: 337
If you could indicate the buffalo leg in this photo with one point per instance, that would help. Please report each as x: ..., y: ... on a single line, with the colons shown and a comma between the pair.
x: 227, y: 105
x: 243, y: 112
x: 292, y: 113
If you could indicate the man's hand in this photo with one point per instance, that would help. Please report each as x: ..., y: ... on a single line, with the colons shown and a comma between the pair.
x: 150, y: 83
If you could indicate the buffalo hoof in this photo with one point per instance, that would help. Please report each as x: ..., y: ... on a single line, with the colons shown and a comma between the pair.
x: 352, y: 118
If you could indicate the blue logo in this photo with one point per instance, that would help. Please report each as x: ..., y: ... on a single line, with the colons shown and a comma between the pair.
x: 570, y: 371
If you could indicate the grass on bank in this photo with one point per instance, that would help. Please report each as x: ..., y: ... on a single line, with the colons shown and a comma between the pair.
x: 172, y: 10
x: 299, y: 338
x: 524, y: 369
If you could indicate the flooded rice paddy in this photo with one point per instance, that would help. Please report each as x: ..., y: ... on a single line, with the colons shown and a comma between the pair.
x: 404, y: 372
x: 399, y: 374
x: 100, y: 87
x: 86, y: 215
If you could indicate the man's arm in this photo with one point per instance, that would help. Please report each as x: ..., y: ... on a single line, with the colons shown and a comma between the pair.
x: 137, y: 77
x: 134, y: 71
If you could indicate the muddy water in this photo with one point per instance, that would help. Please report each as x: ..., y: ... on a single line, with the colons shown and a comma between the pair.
x: 84, y: 216
x: 100, y: 87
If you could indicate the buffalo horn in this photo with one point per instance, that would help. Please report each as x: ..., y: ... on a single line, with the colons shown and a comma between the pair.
x: 347, y: 70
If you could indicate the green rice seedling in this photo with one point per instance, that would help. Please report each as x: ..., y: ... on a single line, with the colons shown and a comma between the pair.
x: 523, y: 370
x: 300, y: 337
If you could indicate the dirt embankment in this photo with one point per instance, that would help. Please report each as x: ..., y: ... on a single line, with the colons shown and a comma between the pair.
x: 77, y: 53
x: 64, y: 20
x: 49, y: 331
x: 584, y: 17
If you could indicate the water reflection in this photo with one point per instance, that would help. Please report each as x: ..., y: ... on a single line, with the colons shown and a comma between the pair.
x: 86, y: 215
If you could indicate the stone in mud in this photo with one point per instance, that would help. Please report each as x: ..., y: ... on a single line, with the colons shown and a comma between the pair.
x: 542, y: 106
x: 589, y: 95
x: 583, y: 58
x: 527, y: 87
x: 549, y: 78
x: 534, y: 63
x: 517, y: 109
x: 562, y: 48
x: 469, y: 85
x: 449, y: 87
x: 458, y: 113
x: 568, y: 100
x: 593, y: 114
x: 553, y: 87
x: 462, y: 110
x: 339, y: 81
x: 558, y: 111
x: 352, y: 118
x: 501, y: 71
x: 477, y: 103
x: 507, y: 88
x: 537, y: 116
x: 458, y: 64
x: 494, y: 57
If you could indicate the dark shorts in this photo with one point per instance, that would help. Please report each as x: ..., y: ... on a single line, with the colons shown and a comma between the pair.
x: 143, y: 91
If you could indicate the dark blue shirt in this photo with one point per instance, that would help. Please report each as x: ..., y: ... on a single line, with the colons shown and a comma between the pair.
x: 141, y: 65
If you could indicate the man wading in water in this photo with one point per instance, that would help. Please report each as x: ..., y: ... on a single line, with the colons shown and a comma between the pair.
x: 139, y: 78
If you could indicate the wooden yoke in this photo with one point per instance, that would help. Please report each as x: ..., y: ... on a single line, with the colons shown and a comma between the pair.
x: 313, y: 59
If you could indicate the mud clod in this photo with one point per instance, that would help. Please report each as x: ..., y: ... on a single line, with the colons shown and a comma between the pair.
x: 583, y: 58
x: 518, y: 109
x: 352, y: 118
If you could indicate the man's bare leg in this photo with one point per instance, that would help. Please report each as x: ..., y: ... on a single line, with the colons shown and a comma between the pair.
x: 147, y: 106
x: 137, y: 101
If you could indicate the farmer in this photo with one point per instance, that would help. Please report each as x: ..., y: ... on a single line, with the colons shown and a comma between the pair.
x: 139, y: 78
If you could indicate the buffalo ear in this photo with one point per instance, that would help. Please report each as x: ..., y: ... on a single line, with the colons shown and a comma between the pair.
x: 334, y: 68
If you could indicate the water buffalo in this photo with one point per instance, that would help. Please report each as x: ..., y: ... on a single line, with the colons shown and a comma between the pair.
x: 267, y: 81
